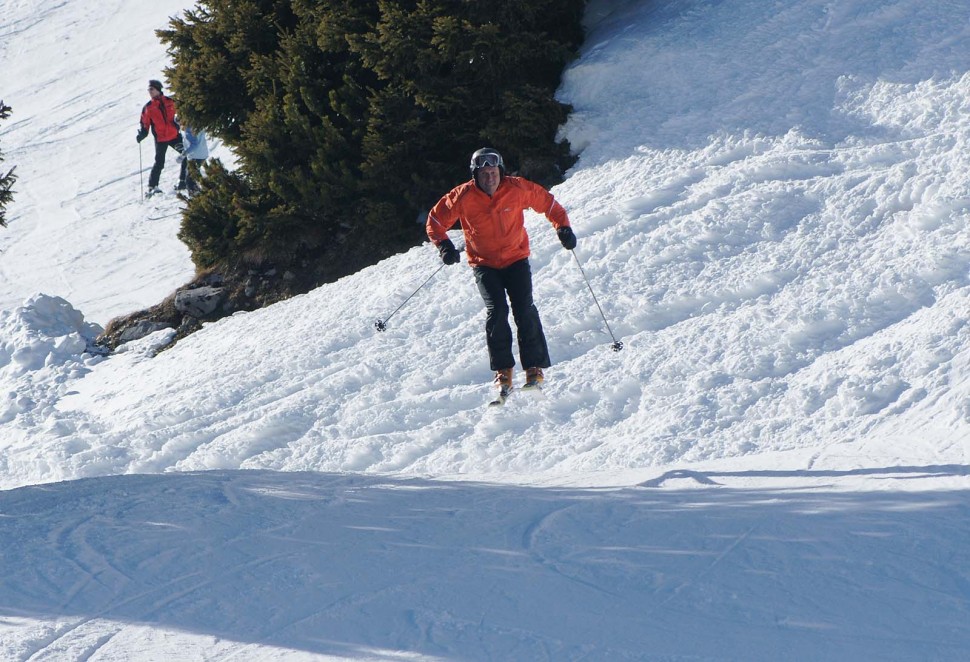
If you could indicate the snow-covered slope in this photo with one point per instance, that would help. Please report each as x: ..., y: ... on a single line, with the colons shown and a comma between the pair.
x: 76, y: 75
x: 772, y: 205
x: 783, y: 285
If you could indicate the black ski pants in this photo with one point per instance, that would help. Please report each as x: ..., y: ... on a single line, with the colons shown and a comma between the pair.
x: 160, y: 149
x: 516, y: 281
x: 189, y: 173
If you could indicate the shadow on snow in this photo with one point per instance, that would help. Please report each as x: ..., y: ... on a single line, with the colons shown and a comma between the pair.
x: 346, y: 565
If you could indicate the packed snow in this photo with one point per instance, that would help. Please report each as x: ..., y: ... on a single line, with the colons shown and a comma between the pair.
x: 772, y: 204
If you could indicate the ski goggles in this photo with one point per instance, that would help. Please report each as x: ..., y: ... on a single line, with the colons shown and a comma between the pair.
x: 482, y: 160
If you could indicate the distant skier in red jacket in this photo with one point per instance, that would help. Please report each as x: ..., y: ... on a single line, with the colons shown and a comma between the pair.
x: 159, y: 116
x: 490, y: 208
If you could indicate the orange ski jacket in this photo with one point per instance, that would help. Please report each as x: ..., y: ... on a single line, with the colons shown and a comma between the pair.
x: 494, y: 227
x: 159, y: 116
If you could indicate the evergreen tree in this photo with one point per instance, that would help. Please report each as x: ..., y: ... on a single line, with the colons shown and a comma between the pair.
x: 7, y: 180
x: 350, y: 117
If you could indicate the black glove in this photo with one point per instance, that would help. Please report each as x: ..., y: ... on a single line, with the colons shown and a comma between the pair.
x: 142, y: 134
x: 567, y: 238
x: 449, y: 254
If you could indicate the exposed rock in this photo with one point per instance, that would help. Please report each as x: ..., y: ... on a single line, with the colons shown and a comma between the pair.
x: 198, y: 302
x: 212, y: 295
x: 139, y: 330
x: 188, y: 325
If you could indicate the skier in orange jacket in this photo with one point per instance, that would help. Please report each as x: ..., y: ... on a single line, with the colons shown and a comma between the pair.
x: 159, y: 116
x: 490, y: 207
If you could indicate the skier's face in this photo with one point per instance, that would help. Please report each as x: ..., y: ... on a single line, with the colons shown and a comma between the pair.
x: 152, y: 92
x: 489, y: 178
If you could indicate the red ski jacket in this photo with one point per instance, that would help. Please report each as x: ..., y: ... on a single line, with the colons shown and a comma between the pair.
x: 494, y: 227
x: 159, y: 116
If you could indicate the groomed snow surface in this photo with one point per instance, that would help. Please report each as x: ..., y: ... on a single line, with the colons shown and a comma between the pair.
x: 772, y: 204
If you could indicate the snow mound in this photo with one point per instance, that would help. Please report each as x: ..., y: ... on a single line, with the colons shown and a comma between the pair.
x: 44, y: 331
x: 43, y: 342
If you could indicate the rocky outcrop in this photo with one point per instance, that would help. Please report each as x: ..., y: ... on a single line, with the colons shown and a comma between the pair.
x: 207, y: 298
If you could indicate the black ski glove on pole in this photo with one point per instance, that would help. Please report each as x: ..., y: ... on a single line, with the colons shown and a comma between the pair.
x: 449, y: 254
x: 142, y: 134
x: 567, y: 238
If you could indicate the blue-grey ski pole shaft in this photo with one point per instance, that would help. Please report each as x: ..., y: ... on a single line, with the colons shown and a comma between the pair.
x: 381, y: 324
x: 617, y: 345
x: 141, y: 174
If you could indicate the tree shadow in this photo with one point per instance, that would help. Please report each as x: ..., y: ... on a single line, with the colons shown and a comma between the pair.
x: 893, y: 473
x: 379, y: 568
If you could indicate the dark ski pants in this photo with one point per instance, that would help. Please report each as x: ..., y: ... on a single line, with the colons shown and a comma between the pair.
x: 516, y: 281
x: 188, y: 174
x: 160, y: 149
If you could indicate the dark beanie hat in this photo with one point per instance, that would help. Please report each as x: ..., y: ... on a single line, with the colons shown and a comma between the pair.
x: 156, y: 84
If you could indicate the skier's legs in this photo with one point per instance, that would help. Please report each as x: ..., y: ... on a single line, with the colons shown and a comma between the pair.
x: 498, y: 333
x: 159, y: 164
x: 533, y: 350
x: 179, y: 147
x: 160, y: 149
x: 192, y: 176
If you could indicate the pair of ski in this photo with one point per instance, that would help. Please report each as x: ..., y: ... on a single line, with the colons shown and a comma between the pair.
x: 506, y: 391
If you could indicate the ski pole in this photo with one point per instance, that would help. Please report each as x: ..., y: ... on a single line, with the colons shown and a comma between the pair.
x: 617, y: 345
x: 381, y: 324
x: 141, y: 174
